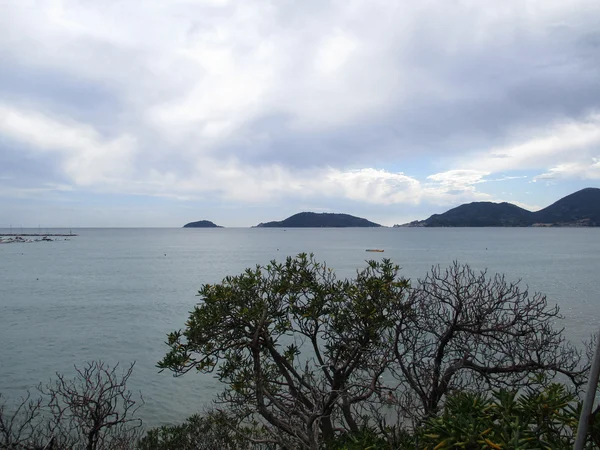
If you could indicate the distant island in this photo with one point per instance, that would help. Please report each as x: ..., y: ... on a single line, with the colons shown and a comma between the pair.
x: 201, y: 224
x: 319, y: 220
x: 580, y: 209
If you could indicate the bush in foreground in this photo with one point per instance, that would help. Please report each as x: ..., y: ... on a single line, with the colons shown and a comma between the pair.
x: 463, y: 330
x: 92, y: 411
x: 312, y: 362
x: 545, y: 416
x: 295, y: 347
x: 196, y: 433
x: 312, y: 359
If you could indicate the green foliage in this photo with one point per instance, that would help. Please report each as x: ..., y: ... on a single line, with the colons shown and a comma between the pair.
x: 198, y: 432
x: 310, y: 360
x: 250, y: 331
x: 545, y: 416
x: 371, y: 438
x: 366, y: 439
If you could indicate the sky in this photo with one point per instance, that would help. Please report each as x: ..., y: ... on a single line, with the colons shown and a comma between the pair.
x: 157, y: 113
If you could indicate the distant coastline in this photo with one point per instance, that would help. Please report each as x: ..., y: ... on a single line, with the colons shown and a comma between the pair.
x: 580, y: 209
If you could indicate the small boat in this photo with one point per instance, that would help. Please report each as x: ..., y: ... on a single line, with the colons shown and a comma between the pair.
x: 374, y: 250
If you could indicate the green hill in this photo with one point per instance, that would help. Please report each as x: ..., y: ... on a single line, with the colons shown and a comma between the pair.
x: 201, y: 224
x: 319, y: 220
x: 482, y: 214
x: 581, y: 208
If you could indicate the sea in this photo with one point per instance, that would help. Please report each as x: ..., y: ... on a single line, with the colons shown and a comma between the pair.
x: 114, y: 294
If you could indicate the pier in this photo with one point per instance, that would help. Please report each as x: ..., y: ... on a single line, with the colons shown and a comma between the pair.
x: 37, y: 234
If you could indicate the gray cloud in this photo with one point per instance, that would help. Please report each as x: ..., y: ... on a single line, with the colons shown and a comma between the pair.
x: 374, y: 101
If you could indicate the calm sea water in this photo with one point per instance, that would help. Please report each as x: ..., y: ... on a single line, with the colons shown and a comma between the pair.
x: 113, y: 294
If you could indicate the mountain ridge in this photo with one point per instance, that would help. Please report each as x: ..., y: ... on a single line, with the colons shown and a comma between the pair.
x: 319, y: 220
x: 579, y: 209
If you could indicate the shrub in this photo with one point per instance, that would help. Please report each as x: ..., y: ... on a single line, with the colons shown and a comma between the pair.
x: 310, y: 359
x: 92, y: 411
x: 544, y: 416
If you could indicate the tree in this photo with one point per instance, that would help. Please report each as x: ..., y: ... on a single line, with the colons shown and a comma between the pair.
x: 467, y: 331
x: 306, y: 358
x: 20, y: 428
x: 92, y: 411
x: 298, y: 350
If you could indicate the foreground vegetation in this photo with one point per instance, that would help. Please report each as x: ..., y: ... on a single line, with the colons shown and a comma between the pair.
x: 459, y: 359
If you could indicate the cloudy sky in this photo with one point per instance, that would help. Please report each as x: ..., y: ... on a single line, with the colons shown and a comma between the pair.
x: 157, y: 113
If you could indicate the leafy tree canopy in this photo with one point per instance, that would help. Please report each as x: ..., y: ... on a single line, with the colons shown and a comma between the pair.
x: 306, y: 357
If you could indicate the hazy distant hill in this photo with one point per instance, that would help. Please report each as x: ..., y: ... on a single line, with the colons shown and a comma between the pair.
x: 201, y: 224
x: 482, y: 214
x: 319, y: 220
x: 581, y: 208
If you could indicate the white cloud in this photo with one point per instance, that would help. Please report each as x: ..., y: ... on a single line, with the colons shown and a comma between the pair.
x: 334, y: 53
x: 115, y: 165
x: 587, y: 170
x: 233, y: 181
x: 220, y: 99
x: 455, y: 186
x: 109, y: 164
x: 370, y: 186
x: 458, y: 179
x: 202, y: 69
x: 565, y: 143
x: 85, y: 156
